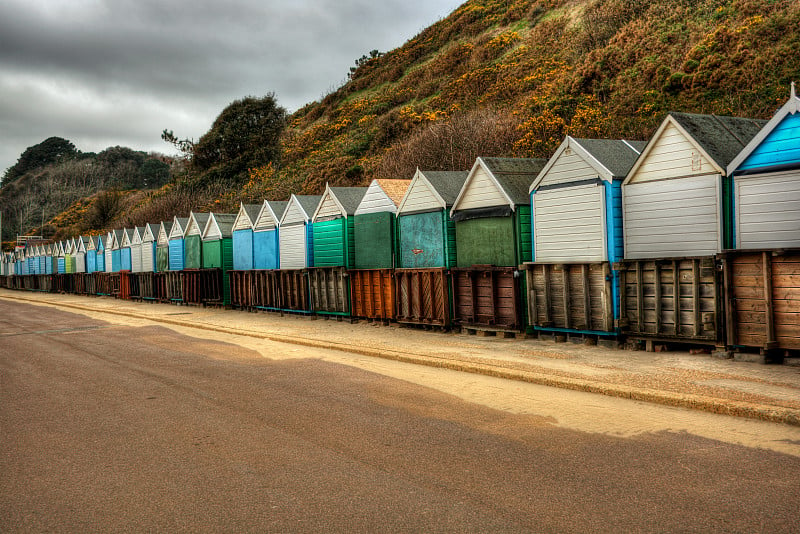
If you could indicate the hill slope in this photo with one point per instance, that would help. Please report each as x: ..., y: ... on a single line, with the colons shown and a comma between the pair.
x: 512, y: 78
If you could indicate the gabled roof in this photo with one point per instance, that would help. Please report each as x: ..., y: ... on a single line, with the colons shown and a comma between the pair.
x: 118, y: 236
x: 138, y: 233
x: 611, y: 158
x: 272, y: 208
x: 81, y: 242
x: 307, y: 204
x: 219, y: 225
x: 196, y: 225
x: 446, y: 184
x: 395, y: 189
x: 346, y: 198
x: 151, y: 231
x: 791, y: 107
x: 247, y: 215
x: 127, y: 237
x: 178, y: 227
x: 719, y: 139
x: 164, y: 228
x: 513, y: 177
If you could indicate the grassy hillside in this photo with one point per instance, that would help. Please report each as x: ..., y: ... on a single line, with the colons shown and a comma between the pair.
x: 512, y: 78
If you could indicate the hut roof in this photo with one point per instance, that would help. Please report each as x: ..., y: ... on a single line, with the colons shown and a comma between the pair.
x: 618, y: 156
x: 722, y: 138
x: 219, y: 225
x: 197, y: 223
x: 395, y: 189
x: 447, y: 183
x: 349, y: 197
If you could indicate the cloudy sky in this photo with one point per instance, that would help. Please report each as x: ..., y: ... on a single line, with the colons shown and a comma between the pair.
x: 117, y: 72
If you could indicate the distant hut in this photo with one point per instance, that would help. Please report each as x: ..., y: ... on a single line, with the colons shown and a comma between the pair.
x: 162, y: 246
x: 243, y: 236
x: 193, y: 240
x: 266, y: 242
x: 295, y: 232
x: 374, y: 231
x: 176, y: 243
x: 149, y: 238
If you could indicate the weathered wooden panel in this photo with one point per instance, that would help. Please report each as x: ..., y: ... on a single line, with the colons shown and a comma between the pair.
x: 193, y: 252
x: 486, y: 241
x: 374, y: 240
x: 423, y: 242
x: 176, y: 257
x: 128, y: 285
x: 330, y: 290
x: 294, y: 291
x: 173, y: 284
x: 762, y: 290
x: 671, y: 299
x: 255, y: 289
x: 372, y: 293
x: 162, y: 259
x: 423, y: 296
x: 148, y: 286
x: 577, y: 296
x: 107, y: 284
x: 202, y: 286
x: 487, y: 297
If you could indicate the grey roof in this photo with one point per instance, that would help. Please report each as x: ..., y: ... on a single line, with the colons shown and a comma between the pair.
x: 183, y: 221
x: 515, y: 175
x: 225, y: 222
x: 167, y: 228
x: 202, y: 219
x: 447, y: 183
x: 721, y: 137
x: 278, y: 206
x: 349, y: 197
x: 309, y: 203
x: 615, y: 155
x: 252, y: 211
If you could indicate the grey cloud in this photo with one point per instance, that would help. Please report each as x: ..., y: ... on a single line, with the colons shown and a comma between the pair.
x: 129, y: 69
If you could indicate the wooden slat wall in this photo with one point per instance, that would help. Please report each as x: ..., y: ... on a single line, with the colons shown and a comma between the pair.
x: 571, y: 296
x: 763, y: 293
x: 330, y: 290
x: 487, y: 297
x: 648, y: 303
x: 423, y: 296
x: 372, y: 293
x: 294, y: 290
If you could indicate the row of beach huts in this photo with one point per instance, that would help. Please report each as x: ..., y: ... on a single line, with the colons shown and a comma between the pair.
x: 692, y: 237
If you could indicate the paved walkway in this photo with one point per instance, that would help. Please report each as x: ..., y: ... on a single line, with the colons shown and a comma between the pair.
x: 677, y: 378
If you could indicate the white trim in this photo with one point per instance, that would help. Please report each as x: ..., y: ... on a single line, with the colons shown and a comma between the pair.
x: 419, y: 175
x: 572, y: 143
x: 480, y: 164
x: 791, y: 107
x: 650, y: 144
x: 329, y: 192
x: 293, y: 199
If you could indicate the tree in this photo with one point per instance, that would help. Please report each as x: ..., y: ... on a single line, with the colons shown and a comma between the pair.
x: 51, y: 150
x: 153, y: 173
x: 245, y: 135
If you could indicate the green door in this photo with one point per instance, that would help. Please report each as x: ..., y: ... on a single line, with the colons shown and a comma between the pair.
x: 486, y: 241
x: 374, y: 240
x: 193, y: 247
x: 162, y: 259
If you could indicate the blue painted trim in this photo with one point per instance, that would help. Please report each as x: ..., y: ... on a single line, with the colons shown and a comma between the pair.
x: 574, y: 331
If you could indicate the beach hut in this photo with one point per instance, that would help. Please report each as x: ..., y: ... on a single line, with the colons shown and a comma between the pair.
x: 426, y: 247
x: 374, y: 232
x: 333, y: 242
x: 243, y: 236
x: 334, y: 249
x: 176, y: 243
x: 69, y: 259
x: 766, y: 183
x: 427, y: 235
x: 125, y: 256
x: 117, y: 237
x: 193, y: 240
x: 91, y: 254
x: 79, y: 252
x: 149, y: 238
x: 492, y: 217
x: 136, y: 249
x: 162, y: 246
x: 674, y: 195
x: 48, y: 257
x: 41, y: 259
x: 266, y: 246
x: 577, y: 234
x: 218, y: 253
x: 108, y: 242
x: 372, y: 288
x: 677, y: 215
x: 100, y: 254
x: 61, y: 258
x: 295, y: 232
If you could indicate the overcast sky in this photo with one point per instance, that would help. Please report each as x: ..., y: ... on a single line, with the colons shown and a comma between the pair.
x: 117, y: 72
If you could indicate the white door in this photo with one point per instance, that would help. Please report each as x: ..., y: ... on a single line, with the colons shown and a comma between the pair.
x: 569, y: 224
